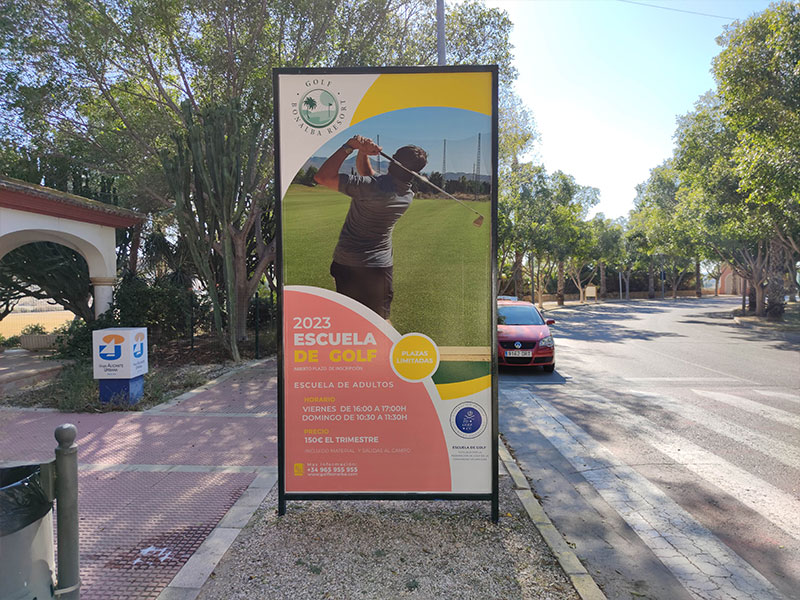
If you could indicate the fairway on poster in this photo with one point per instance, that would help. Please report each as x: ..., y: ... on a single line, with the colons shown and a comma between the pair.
x: 387, y: 205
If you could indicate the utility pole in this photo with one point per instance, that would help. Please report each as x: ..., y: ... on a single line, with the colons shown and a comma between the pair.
x: 478, y: 168
x: 440, y: 33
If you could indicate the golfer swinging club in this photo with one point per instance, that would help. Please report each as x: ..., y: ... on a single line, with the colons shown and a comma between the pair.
x: 362, y: 261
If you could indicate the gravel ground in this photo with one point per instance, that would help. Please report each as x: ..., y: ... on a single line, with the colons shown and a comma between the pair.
x: 384, y: 550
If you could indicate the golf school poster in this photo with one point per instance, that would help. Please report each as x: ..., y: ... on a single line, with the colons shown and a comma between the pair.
x: 387, y: 269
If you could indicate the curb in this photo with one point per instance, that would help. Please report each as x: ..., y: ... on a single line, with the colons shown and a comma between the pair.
x: 192, y: 576
x: 580, y: 578
x: 747, y: 323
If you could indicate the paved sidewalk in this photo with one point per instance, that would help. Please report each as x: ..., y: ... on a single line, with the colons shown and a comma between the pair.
x: 159, y: 487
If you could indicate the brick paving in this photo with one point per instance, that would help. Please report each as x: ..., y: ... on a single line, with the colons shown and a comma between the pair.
x: 153, y: 485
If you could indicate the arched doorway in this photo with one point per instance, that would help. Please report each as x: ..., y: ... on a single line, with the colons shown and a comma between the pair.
x: 32, y: 213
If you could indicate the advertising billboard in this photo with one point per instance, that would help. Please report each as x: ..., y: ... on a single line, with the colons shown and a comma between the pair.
x: 386, y: 183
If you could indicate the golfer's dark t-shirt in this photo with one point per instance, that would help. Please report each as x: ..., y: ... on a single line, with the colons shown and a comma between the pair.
x: 376, y: 205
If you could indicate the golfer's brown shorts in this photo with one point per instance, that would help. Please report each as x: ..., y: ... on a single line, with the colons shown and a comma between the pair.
x: 371, y: 286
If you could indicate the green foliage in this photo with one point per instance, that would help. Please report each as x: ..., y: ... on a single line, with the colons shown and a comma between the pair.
x: 74, y: 339
x: 759, y: 84
x: 174, y: 96
x: 163, y: 307
x: 34, y: 329
x: 78, y: 390
x: 49, y: 271
x: 217, y: 211
x: 308, y: 178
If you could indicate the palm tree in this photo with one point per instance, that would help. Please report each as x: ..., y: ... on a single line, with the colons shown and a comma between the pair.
x: 310, y: 103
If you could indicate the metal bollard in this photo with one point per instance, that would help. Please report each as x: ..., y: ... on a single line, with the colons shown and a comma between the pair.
x: 69, y: 581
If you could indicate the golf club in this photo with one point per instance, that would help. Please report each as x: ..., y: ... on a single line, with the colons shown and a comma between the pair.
x: 477, y: 222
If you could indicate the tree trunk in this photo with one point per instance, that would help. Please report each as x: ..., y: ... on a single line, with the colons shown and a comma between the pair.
x: 745, y: 296
x: 698, y: 281
x: 133, y: 256
x: 791, y: 269
x: 651, y: 280
x: 517, y: 274
x: 627, y: 278
x: 760, y: 293
x: 532, y: 265
x: 775, y: 289
x: 603, y: 288
x: 560, y: 286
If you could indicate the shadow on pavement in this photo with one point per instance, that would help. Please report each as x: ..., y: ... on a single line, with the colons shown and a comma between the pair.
x: 530, y: 375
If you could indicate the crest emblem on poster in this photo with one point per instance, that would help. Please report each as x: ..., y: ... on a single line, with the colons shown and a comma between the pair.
x: 318, y: 108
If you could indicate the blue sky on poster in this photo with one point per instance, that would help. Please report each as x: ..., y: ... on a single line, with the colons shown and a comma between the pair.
x: 606, y: 79
x: 427, y: 127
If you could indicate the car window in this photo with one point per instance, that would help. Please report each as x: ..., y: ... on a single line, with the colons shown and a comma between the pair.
x: 518, y: 315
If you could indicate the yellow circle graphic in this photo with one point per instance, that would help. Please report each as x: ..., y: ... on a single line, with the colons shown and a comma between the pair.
x: 415, y: 357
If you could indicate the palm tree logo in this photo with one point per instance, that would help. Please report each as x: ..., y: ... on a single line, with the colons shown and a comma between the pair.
x: 319, y: 108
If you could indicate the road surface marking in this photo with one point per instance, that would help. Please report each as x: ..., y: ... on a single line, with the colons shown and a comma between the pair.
x: 698, y: 378
x: 705, y: 566
x: 784, y: 395
x: 728, y: 376
x: 782, y: 452
x: 756, y: 408
x: 775, y: 505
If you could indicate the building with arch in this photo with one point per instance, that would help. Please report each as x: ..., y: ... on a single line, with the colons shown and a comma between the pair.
x: 33, y: 213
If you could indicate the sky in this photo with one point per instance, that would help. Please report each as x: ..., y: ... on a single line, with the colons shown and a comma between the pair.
x: 606, y: 79
x: 427, y: 127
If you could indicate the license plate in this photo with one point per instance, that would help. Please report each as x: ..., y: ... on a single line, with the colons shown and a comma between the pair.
x: 519, y: 353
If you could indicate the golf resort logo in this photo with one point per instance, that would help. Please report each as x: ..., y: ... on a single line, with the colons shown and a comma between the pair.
x: 319, y: 108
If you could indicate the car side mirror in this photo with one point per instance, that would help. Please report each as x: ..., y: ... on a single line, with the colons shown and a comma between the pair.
x: 550, y: 322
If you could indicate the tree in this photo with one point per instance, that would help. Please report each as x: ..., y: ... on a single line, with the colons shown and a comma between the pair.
x: 633, y: 251
x: 759, y: 87
x: 582, y: 263
x: 151, y: 85
x: 712, y: 202
x: 571, y: 203
x: 609, y: 247
x: 668, y: 232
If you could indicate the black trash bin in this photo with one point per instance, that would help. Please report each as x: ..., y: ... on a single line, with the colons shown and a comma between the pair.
x: 27, y: 561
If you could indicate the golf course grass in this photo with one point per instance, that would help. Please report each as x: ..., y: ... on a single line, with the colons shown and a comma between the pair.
x: 442, y: 263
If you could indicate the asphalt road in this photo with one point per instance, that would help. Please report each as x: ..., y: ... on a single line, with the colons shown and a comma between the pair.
x: 666, y: 448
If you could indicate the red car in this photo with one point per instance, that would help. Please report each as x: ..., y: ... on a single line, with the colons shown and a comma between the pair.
x: 523, y: 336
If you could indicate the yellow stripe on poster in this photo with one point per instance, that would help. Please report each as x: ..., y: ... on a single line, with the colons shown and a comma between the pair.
x: 452, y: 391
x: 390, y: 92
x: 465, y: 353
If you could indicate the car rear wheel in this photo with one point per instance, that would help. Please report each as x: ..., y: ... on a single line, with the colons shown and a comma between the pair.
x: 549, y: 368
